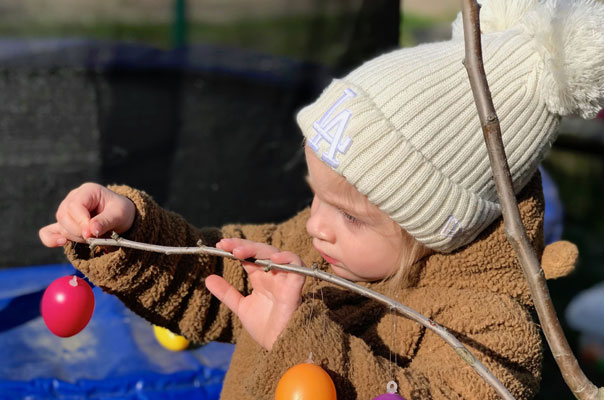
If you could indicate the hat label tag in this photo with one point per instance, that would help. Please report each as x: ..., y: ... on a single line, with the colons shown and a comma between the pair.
x: 338, y: 143
x: 452, y: 227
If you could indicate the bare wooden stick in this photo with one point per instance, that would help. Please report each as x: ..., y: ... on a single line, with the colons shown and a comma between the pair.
x: 573, y: 375
x: 451, y: 340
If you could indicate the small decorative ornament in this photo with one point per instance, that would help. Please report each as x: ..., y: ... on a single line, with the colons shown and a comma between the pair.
x: 391, y: 389
x: 170, y: 340
x: 67, y: 306
x: 306, y: 381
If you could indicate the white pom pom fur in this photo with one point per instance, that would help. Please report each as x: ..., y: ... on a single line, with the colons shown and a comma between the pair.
x: 569, y: 36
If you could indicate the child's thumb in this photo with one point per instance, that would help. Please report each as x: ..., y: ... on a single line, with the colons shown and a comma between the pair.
x: 104, y: 222
x: 97, y: 226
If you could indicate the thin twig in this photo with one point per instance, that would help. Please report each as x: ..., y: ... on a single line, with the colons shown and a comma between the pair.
x: 459, y: 348
x: 573, y: 375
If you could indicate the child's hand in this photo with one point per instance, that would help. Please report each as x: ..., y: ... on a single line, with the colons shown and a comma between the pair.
x: 275, y: 296
x: 89, y: 210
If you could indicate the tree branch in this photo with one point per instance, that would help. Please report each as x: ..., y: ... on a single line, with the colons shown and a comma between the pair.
x: 459, y: 348
x: 573, y: 375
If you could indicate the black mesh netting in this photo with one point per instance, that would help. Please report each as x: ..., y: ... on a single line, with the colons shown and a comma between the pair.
x: 206, y: 126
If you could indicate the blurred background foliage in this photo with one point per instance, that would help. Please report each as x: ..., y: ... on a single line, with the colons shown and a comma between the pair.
x: 330, y: 34
x: 162, y: 23
x: 292, y: 29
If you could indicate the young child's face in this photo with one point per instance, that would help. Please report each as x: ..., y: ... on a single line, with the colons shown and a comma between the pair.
x: 358, y: 239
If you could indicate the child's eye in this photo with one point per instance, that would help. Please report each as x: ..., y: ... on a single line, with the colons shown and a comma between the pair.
x: 351, y: 219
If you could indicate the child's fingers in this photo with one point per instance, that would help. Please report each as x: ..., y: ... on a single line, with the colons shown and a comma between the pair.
x: 50, y: 235
x: 66, y: 221
x: 231, y: 243
x: 293, y: 281
x: 243, y: 249
x: 81, y: 216
x: 54, y: 235
x: 100, y: 224
x: 110, y: 219
x: 228, y: 244
x: 250, y: 268
x: 286, y: 257
x: 88, y: 195
x: 224, y: 292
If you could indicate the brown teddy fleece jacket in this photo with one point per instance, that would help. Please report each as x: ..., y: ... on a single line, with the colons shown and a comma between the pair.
x: 478, y: 293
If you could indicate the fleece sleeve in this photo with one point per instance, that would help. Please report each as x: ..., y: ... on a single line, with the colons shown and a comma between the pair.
x: 167, y: 290
x: 496, y: 330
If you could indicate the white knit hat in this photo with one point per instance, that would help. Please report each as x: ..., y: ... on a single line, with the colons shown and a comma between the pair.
x: 403, y: 128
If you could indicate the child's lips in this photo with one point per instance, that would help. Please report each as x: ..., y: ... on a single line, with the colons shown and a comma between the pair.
x: 330, y: 260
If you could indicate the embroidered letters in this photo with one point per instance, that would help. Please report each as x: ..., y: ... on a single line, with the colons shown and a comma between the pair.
x: 452, y: 227
x: 332, y: 131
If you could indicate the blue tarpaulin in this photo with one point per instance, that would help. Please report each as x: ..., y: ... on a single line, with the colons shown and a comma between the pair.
x: 115, y: 357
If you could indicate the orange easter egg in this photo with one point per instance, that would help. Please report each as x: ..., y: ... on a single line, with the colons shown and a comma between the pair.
x: 305, y: 381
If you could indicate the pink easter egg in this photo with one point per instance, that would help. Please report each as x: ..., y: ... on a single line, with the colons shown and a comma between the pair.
x: 67, y: 305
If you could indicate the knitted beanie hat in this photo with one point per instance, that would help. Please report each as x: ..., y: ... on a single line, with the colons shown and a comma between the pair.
x: 404, y: 130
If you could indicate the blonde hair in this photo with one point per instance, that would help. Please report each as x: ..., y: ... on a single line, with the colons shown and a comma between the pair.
x: 414, y: 252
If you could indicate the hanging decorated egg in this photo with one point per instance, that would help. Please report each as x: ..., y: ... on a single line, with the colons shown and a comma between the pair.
x: 305, y: 381
x: 170, y: 340
x: 67, y: 305
x: 391, y: 388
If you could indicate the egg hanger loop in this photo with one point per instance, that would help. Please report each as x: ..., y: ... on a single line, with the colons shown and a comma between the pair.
x: 391, y: 387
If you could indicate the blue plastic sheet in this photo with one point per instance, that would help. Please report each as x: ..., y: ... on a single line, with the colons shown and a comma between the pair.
x: 553, y: 221
x: 115, y: 357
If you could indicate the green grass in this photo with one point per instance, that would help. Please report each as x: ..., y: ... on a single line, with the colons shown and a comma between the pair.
x: 412, y: 24
x: 155, y: 34
x: 312, y: 38
x: 409, y: 25
x: 319, y: 38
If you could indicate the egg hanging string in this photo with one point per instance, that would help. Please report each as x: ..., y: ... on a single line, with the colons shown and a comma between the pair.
x: 393, y: 350
x: 307, y: 381
x: 310, y: 315
x: 391, y: 386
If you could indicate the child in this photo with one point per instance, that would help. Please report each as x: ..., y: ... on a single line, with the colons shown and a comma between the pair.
x: 404, y: 204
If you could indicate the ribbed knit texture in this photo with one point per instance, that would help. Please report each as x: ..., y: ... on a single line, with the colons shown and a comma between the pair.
x: 417, y: 148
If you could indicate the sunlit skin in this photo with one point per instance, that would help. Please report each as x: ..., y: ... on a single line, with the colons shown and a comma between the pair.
x: 358, y: 239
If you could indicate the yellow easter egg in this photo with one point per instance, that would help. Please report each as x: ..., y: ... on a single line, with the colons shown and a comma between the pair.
x: 169, y: 340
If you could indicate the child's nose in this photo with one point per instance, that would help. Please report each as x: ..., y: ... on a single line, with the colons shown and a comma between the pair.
x: 319, y: 224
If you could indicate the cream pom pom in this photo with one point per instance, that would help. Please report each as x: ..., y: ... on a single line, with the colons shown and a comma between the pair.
x: 496, y: 15
x: 569, y: 36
